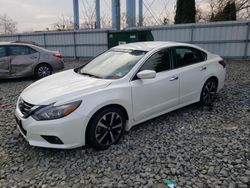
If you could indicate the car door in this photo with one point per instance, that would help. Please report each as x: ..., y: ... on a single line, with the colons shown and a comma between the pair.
x: 22, y: 60
x: 4, y: 63
x: 191, y: 65
x: 153, y: 96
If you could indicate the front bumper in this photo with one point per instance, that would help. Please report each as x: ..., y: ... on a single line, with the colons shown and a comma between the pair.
x: 70, y: 130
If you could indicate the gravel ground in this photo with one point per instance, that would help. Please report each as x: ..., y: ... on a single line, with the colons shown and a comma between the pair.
x: 193, y: 146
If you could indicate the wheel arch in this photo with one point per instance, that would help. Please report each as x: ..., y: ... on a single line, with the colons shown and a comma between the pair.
x: 118, y: 106
x: 213, y: 78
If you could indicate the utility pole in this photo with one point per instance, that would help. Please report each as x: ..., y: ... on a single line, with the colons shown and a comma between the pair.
x: 140, y: 12
x: 76, y: 14
x: 130, y: 7
x: 116, y: 14
x: 97, y: 14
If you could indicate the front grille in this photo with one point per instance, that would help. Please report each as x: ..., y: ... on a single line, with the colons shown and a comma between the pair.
x: 24, y: 107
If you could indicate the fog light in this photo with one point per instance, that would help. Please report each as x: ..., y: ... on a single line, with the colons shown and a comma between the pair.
x: 52, y: 139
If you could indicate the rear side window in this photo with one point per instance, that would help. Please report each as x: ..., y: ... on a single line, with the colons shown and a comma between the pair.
x: 187, y: 56
x: 2, y: 51
x: 158, y: 62
x: 20, y: 50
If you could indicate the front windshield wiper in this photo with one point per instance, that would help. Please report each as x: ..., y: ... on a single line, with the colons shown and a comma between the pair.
x: 88, y: 74
x: 78, y: 68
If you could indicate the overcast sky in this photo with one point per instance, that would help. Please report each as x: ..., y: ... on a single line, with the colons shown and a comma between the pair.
x: 32, y: 15
x: 35, y: 14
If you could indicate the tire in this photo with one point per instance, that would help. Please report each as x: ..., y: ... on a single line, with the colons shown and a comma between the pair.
x: 208, y: 91
x: 106, y: 128
x: 43, y: 70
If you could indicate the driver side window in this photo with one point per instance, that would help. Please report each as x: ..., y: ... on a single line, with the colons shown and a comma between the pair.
x: 160, y: 61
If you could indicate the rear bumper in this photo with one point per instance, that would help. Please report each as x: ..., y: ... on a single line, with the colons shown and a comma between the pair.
x: 221, y: 76
x: 58, y: 65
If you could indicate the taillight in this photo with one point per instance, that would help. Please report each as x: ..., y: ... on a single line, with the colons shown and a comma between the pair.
x: 222, y: 63
x: 57, y: 55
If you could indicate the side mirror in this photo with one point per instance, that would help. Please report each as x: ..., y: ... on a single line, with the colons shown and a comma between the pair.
x: 146, y: 74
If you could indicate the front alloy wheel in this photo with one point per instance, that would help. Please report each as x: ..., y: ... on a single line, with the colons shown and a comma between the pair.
x: 106, y: 128
x: 208, y: 92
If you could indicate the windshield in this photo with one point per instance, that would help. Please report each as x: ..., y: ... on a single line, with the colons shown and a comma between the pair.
x: 112, y: 64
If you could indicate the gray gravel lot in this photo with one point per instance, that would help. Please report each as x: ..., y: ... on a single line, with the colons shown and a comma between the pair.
x: 193, y: 146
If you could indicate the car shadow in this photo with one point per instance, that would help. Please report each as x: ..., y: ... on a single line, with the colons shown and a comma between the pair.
x: 91, y: 151
x: 167, y: 115
x: 11, y: 80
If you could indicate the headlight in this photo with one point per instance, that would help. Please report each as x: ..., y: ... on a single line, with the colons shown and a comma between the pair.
x: 55, y: 112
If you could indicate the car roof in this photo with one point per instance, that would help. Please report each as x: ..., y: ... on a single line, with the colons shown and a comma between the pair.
x: 148, y: 46
x: 27, y: 43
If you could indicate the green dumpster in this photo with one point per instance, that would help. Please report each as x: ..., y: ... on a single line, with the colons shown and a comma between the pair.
x: 122, y: 37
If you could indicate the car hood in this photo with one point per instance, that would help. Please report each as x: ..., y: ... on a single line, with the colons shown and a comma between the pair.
x: 61, y: 86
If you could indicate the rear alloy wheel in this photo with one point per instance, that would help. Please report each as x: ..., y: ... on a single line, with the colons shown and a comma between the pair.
x: 208, y: 91
x: 106, y: 128
x: 43, y: 71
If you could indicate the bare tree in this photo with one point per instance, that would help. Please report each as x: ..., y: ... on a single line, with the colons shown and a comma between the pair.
x: 106, y: 21
x: 243, y: 9
x: 7, y: 25
x: 63, y: 23
x: 155, y: 16
x: 86, y: 24
x: 202, y: 14
x: 88, y: 13
x: 216, y: 6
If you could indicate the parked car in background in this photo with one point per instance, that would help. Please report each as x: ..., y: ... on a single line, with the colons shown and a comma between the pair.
x: 120, y: 88
x: 20, y: 59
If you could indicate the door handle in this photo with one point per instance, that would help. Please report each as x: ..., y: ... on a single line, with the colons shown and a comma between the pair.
x: 203, y: 68
x: 33, y: 57
x: 173, y: 78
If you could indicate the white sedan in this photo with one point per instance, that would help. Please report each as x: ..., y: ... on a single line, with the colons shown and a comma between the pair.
x: 129, y: 84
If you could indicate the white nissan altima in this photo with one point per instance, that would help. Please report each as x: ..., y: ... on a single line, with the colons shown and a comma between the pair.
x: 120, y: 88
